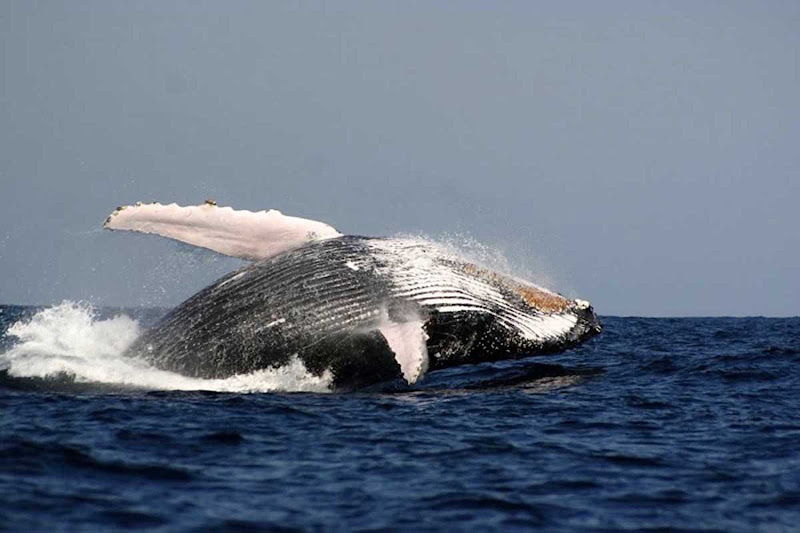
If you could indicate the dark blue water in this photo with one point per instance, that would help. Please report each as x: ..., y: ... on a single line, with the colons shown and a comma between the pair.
x: 657, y: 424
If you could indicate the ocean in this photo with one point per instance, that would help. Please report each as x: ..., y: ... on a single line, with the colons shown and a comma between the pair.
x: 657, y: 424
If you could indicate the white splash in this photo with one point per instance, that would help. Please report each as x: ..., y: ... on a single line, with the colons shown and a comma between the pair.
x: 69, y: 339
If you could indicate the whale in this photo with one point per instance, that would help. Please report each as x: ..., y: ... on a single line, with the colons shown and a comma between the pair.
x: 367, y: 310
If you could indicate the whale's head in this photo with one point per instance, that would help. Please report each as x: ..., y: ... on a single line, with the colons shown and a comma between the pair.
x: 480, y: 314
x: 540, y: 304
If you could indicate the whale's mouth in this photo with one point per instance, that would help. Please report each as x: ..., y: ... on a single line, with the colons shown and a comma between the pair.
x: 541, y: 301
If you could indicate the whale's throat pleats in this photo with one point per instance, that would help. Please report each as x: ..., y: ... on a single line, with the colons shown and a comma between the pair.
x: 322, y: 303
x: 244, y: 234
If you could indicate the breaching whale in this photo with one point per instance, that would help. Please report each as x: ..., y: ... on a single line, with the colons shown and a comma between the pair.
x: 365, y: 309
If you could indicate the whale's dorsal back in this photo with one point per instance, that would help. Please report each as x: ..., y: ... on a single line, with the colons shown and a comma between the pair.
x: 244, y: 234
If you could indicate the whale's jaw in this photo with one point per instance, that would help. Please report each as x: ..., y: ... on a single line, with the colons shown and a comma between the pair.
x: 470, y: 338
x: 367, y: 310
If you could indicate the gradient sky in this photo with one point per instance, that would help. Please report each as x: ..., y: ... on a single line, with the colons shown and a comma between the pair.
x: 642, y: 155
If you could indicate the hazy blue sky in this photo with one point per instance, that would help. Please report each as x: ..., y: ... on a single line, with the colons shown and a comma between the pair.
x: 642, y: 155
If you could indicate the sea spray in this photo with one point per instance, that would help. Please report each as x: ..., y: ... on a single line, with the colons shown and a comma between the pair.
x: 519, y: 264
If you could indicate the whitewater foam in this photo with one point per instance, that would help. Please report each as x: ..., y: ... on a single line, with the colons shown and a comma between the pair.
x: 70, y: 340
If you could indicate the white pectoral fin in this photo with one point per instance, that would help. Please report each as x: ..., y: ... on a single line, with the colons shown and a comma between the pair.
x: 408, y: 342
x: 244, y: 234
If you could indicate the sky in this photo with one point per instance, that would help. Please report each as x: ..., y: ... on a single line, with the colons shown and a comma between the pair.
x: 642, y: 155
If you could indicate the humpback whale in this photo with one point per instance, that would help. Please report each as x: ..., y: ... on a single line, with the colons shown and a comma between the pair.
x: 365, y: 309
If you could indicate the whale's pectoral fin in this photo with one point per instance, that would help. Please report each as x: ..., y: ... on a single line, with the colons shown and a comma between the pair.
x: 242, y: 234
x: 408, y: 342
